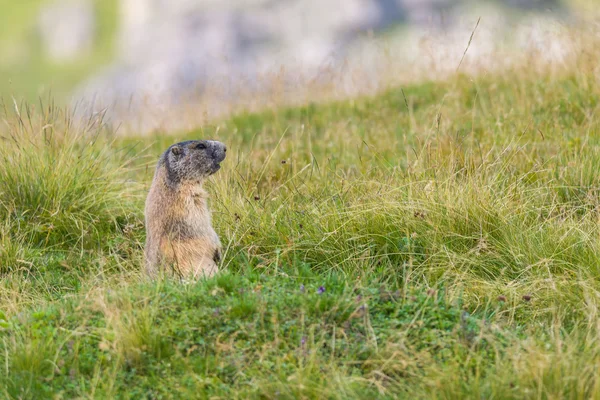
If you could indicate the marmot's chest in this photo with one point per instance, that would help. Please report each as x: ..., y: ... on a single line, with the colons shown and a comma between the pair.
x: 195, y: 221
x: 195, y: 208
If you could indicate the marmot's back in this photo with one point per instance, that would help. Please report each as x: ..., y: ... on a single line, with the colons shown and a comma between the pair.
x: 180, y: 239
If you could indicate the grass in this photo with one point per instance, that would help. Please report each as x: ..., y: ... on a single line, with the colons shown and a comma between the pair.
x: 434, y: 241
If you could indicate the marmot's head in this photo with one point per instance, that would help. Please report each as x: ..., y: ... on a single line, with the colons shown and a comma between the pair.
x: 193, y: 160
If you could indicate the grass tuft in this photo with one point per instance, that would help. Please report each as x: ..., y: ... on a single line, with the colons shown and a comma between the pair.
x: 60, y: 184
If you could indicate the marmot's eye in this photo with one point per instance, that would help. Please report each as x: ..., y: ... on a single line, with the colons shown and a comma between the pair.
x: 201, y: 146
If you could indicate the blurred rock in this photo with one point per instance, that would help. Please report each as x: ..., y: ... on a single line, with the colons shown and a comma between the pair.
x: 67, y: 29
x: 172, y: 50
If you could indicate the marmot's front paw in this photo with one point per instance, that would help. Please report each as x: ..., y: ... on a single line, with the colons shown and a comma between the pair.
x: 217, y: 256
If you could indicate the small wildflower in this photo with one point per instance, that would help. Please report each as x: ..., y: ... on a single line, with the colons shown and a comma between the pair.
x: 321, y: 290
x: 303, y: 341
x: 359, y: 312
x: 527, y: 297
x: 301, y: 288
x: 502, y: 298
x: 358, y: 298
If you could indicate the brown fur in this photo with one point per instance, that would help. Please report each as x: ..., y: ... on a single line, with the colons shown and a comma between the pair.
x: 180, y: 239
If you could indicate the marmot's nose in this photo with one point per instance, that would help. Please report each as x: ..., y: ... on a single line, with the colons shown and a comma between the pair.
x: 219, y: 151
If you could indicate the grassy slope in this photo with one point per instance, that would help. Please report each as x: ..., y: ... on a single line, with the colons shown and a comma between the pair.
x: 452, y: 229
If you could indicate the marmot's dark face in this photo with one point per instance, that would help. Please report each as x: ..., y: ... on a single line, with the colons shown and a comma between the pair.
x: 194, y: 159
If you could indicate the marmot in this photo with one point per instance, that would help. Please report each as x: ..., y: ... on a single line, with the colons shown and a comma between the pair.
x: 180, y: 240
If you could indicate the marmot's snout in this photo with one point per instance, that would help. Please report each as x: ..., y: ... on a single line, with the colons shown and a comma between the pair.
x: 218, y: 153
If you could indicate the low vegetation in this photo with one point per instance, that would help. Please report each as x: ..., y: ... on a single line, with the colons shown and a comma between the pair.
x: 434, y: 241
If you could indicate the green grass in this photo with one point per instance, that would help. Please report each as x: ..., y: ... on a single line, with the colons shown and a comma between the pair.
x: 439, y: 241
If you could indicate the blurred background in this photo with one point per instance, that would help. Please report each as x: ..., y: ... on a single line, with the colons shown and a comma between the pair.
x: 151, y: 56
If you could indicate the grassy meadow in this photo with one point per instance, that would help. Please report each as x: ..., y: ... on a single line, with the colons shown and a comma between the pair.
x: 436, y: 241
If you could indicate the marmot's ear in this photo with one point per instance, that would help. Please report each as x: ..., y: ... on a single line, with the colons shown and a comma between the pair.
x: 176, y: 150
